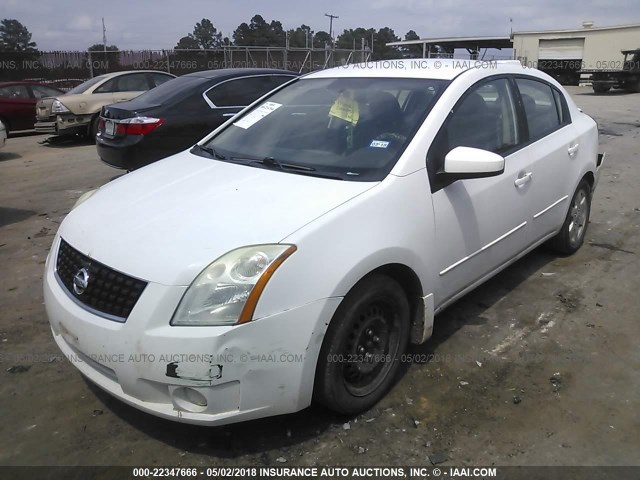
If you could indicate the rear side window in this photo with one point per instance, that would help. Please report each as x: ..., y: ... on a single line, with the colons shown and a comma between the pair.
x: 243, y: 91
x: 40, y: 91
x: 540, y: 107
x: 159, y: 79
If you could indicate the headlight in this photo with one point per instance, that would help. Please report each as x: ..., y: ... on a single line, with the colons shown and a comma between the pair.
x: 58, y: 107
x: 227, y: 291
x: 83, y: 198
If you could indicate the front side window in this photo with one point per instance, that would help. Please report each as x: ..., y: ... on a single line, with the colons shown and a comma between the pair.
x: 347, y: 128
x: 107, y: 87
x: 135, y: 82
x: 540, y: 107
x: 14, y: 91
x: 84, y: 86
x: 485, y: 117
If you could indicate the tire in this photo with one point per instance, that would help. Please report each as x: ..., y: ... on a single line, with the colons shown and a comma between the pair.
x: 597, y: 88
x: 571, y: 235
x: 92, y: 131
x: 372, y: 322
x: 633, y: 87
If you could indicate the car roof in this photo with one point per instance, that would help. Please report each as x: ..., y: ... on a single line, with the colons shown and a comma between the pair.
x: 26, y: 82
x: 115, y: 74
x: 431, y: 68
x: 239, y: 72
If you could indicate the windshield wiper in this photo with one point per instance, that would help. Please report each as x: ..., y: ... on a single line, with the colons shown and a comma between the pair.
x: 211, y: 151
x: 271, y: 162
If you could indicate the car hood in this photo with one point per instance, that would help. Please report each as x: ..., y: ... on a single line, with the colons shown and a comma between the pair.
x: 166, y: 222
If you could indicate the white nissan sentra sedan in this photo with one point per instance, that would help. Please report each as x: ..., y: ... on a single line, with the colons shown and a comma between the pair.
x: 293, y: 254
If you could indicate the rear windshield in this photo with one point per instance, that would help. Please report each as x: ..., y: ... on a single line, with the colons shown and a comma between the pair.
x: 83, y: 87
x: 347, y: 128
x: 174, y: 89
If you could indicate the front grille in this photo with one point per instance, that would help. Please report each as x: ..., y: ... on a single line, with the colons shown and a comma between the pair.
x: 108, y: 292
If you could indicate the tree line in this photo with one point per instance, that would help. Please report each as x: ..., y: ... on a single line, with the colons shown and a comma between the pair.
x: 15, y: 37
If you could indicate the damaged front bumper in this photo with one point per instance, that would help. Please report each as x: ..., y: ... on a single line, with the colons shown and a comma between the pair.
x: 63, y: 124
x: 199, y: 375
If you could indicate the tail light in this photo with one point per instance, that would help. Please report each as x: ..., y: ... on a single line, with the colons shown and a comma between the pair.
x: 138, y: 125
x: 101, y: 124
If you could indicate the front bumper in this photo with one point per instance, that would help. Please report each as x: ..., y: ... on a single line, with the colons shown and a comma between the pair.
x: 63, y: 124
x: 199, y: 375
x: 599, y: 163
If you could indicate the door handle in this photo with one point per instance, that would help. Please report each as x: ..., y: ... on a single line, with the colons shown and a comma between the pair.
x: 229, y: 114
x: 523, y: 179
x: 573, y: 150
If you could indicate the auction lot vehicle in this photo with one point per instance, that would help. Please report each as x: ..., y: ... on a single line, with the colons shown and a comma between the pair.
x: 77, y: 111
x: 18, y: 100
x: 628, y: 78
x: 174, y: 116
x: 3, y: 134
x: 294, y: 253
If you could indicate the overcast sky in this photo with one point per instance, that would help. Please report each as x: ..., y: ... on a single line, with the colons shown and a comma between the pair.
x: 158, y: 24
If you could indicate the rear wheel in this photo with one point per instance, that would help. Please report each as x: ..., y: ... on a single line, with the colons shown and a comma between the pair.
x: 599, y: 88
x: 359, y: 358
x: 574, y: 229
x: 634, y: 86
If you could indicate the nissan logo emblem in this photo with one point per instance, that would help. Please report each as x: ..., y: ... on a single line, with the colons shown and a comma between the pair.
x: 81, y: 281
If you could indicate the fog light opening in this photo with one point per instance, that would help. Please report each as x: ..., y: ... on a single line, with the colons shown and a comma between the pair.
x: 189, y: 399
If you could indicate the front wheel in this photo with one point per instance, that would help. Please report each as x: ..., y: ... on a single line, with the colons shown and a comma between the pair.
x: 599, y: 88
x: 92, y: 131
x: 574, y: 228
x: 360, y: 353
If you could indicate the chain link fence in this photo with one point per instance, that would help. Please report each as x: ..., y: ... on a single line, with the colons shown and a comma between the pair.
x: 71, y: 67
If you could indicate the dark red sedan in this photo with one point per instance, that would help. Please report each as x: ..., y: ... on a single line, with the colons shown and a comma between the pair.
x: 18, y: 103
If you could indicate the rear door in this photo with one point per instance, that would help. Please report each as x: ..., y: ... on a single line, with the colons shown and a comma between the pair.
x: 553, y: 147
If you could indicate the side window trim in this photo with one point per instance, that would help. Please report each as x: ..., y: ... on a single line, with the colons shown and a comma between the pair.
x: 213, y: 105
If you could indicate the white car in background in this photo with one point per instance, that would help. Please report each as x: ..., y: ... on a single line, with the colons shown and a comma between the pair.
x: 294, y: 253
x: 3, y: 134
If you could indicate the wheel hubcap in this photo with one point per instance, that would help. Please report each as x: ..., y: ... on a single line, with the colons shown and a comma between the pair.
x: 372, y: 342
x: 578, y: 216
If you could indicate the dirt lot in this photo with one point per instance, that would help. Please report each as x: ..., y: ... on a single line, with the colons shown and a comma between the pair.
x: 540, y: 366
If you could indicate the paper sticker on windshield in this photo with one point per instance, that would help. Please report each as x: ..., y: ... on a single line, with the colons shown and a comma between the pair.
x: 379, y: 144
x: 257, y: 115
x: 346, y: 108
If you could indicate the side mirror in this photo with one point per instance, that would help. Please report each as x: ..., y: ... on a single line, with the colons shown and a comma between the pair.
x: 467, y: 162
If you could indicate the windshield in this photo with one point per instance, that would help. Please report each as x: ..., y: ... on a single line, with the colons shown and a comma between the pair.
x: 347, y: 128
x: 84, y: 86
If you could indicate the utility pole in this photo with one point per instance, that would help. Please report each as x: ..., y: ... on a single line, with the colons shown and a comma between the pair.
x: 104, y: 38
x: 331, y: 17
x: 104, y: 42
